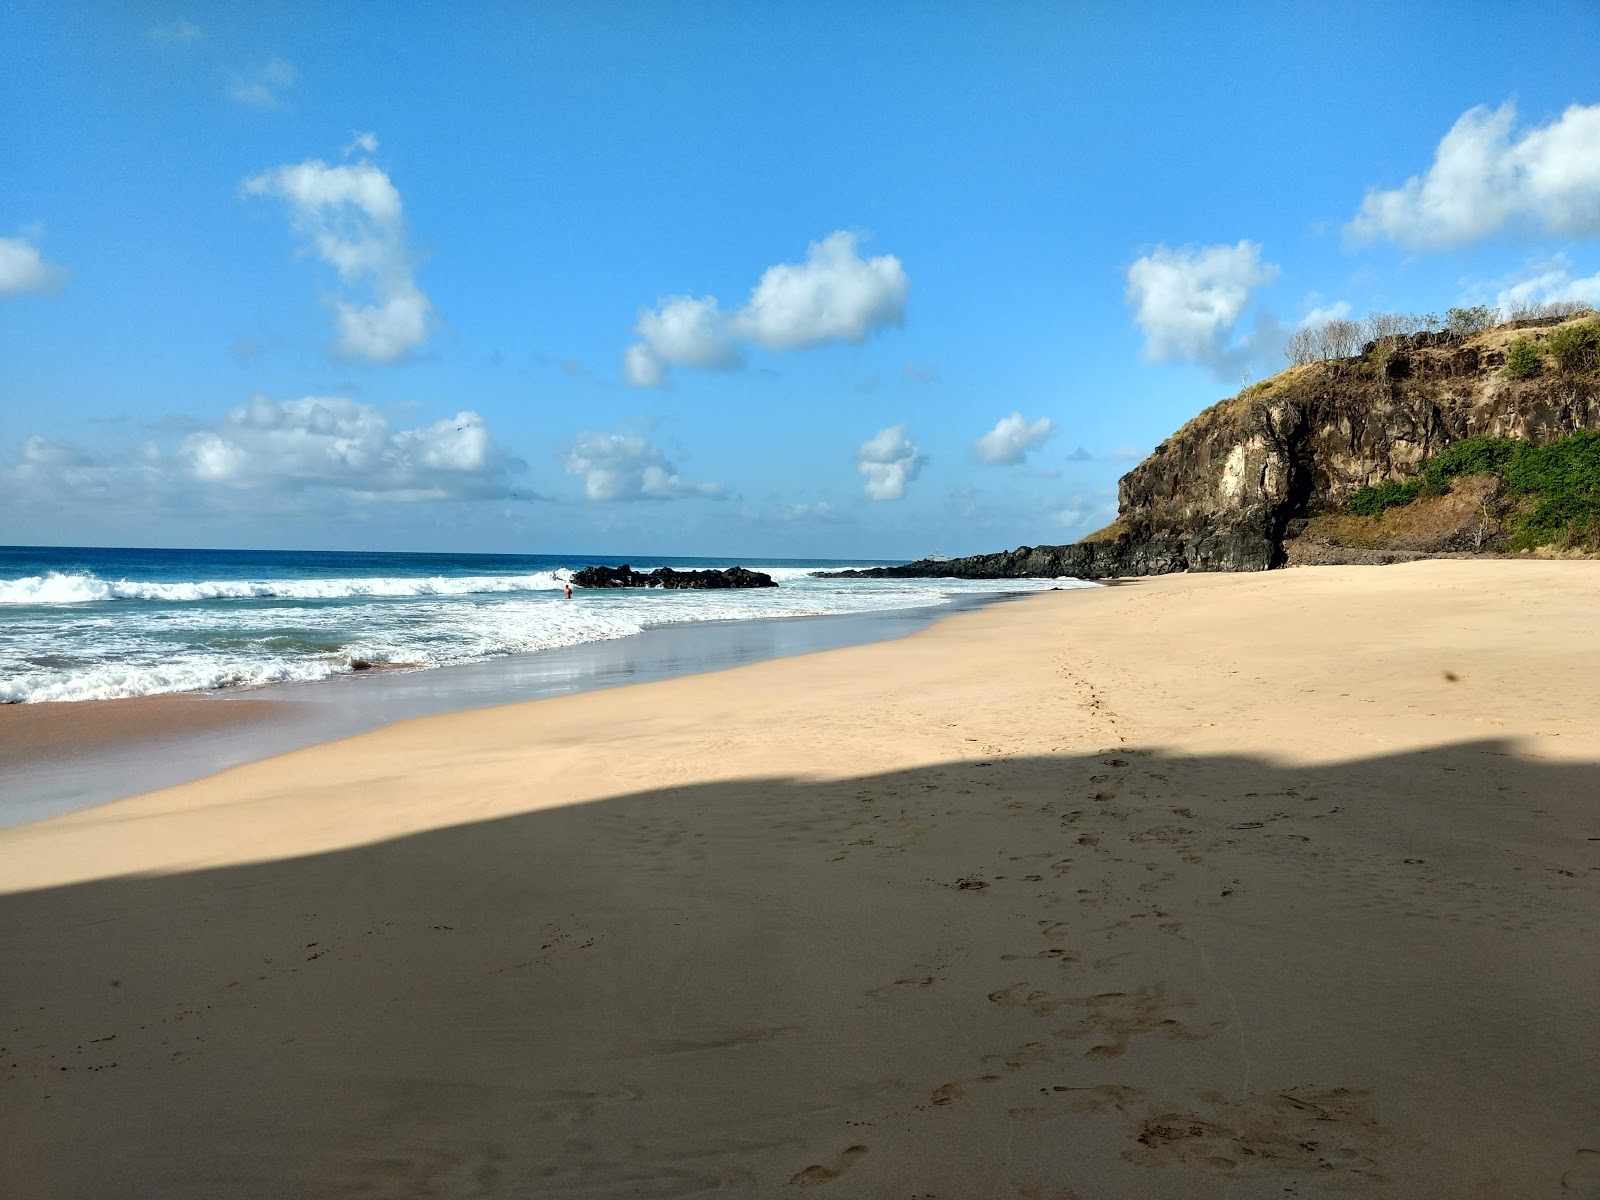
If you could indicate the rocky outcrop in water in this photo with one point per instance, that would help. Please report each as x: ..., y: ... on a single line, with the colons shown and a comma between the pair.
x: 665, y: 577
x: 1229, y: 490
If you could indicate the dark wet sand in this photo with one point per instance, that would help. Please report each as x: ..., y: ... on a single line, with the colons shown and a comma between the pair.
x: 33, y: 732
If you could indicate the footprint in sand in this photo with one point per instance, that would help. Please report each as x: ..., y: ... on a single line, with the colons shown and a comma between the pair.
x: 826, y: 1173
x: 1583, y: 1179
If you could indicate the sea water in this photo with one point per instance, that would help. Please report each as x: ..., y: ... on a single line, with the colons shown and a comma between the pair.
x: 96, y: 624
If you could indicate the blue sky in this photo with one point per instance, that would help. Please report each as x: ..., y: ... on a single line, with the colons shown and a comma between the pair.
x: 417, y: 277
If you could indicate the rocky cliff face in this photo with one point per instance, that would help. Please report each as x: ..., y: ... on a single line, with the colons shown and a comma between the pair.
x: 1226, y: 490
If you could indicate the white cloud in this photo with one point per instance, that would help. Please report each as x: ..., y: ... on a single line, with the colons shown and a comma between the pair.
x: 834, y: 296
x: 888, y: 461
x: 263, y: 87
x: 352, y: 218
x: 24, y: 270
x: 1551, y: 280
x: 642, y: 369
x: 1012, y: 437
x: 336, y: 442
x: 687, y: 332
x: 624, y: 466
x: 1189, y: 303
x: 1486, y: 175
x: 182, y: 33
x: 271, y: 455
x: 366, y: 142
x: 1319, y: 315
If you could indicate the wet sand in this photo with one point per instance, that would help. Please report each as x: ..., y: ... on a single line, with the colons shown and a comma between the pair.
x: 1243, y: 886
x: 57, y: 758
x: 30, y: 733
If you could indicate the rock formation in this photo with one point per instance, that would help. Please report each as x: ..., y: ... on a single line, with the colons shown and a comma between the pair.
x: 1231, y: 488
x: 665, y: 577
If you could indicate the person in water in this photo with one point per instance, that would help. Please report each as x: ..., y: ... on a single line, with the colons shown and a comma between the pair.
x: 568, y: 591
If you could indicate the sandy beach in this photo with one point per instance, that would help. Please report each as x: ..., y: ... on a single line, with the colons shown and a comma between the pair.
x: 1239, y: 886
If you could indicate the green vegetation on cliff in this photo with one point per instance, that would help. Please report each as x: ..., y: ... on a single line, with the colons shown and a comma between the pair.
x: 1555, y: 488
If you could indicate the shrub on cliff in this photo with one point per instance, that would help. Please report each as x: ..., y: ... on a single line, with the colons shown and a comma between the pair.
x: 1557, y: 483
x: 1576, y: 348
x: 1464, y: 322
x: 1372, y: 501
x: 1523, y: 360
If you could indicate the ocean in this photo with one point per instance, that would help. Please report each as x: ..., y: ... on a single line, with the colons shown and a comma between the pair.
x: 98, y: 624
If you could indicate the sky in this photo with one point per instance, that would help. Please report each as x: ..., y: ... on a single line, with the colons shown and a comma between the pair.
x: 731, y: 280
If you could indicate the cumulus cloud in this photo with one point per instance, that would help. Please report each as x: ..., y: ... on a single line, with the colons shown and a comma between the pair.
x: 366, y: 142
x: 272, y: 454
x: 351, y: 217
x: 264, y: 86
x: 1551, y: 280
x: 1189, y: 303
x: 1487, y: 175
x: 336, y: 442
x: 834, y: 296
x: 23, y: 270
x: 181, y: 33
x: 625, y: 466
x: 888, y: 461
x: 682, y: 331
x: 1009, y: 442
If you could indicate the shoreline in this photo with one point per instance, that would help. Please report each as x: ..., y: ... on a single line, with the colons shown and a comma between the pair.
x: 1206, y: 884
x: 64, y: 756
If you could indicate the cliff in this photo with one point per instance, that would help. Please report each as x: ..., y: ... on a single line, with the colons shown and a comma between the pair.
x: 1229, y: 490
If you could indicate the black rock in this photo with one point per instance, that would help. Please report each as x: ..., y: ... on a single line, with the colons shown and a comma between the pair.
x: 665, y: 577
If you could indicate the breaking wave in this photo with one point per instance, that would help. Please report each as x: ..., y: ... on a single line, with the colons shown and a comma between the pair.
x: 62, y: 588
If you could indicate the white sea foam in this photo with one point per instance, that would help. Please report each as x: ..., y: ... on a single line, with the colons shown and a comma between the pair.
x: 54, y: 648
x: 60, y: 588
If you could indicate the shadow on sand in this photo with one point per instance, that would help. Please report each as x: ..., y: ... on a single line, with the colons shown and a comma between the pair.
x: 1123, y: 974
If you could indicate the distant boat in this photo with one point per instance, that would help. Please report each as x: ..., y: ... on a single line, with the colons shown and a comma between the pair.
x: 937, y: 558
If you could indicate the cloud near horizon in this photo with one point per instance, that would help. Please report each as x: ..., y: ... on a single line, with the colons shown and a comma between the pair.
x: 1551, y: 280
x: 333, y: 441
x: 834, y: 296
x: 23, y: 270
x: 888, y: 460
x: 329, y: 444
x: 1189, y: 304
x: 351, y: 216
x: 626, y: 466
x: 1487, y: 176
x: 1010, y: 441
